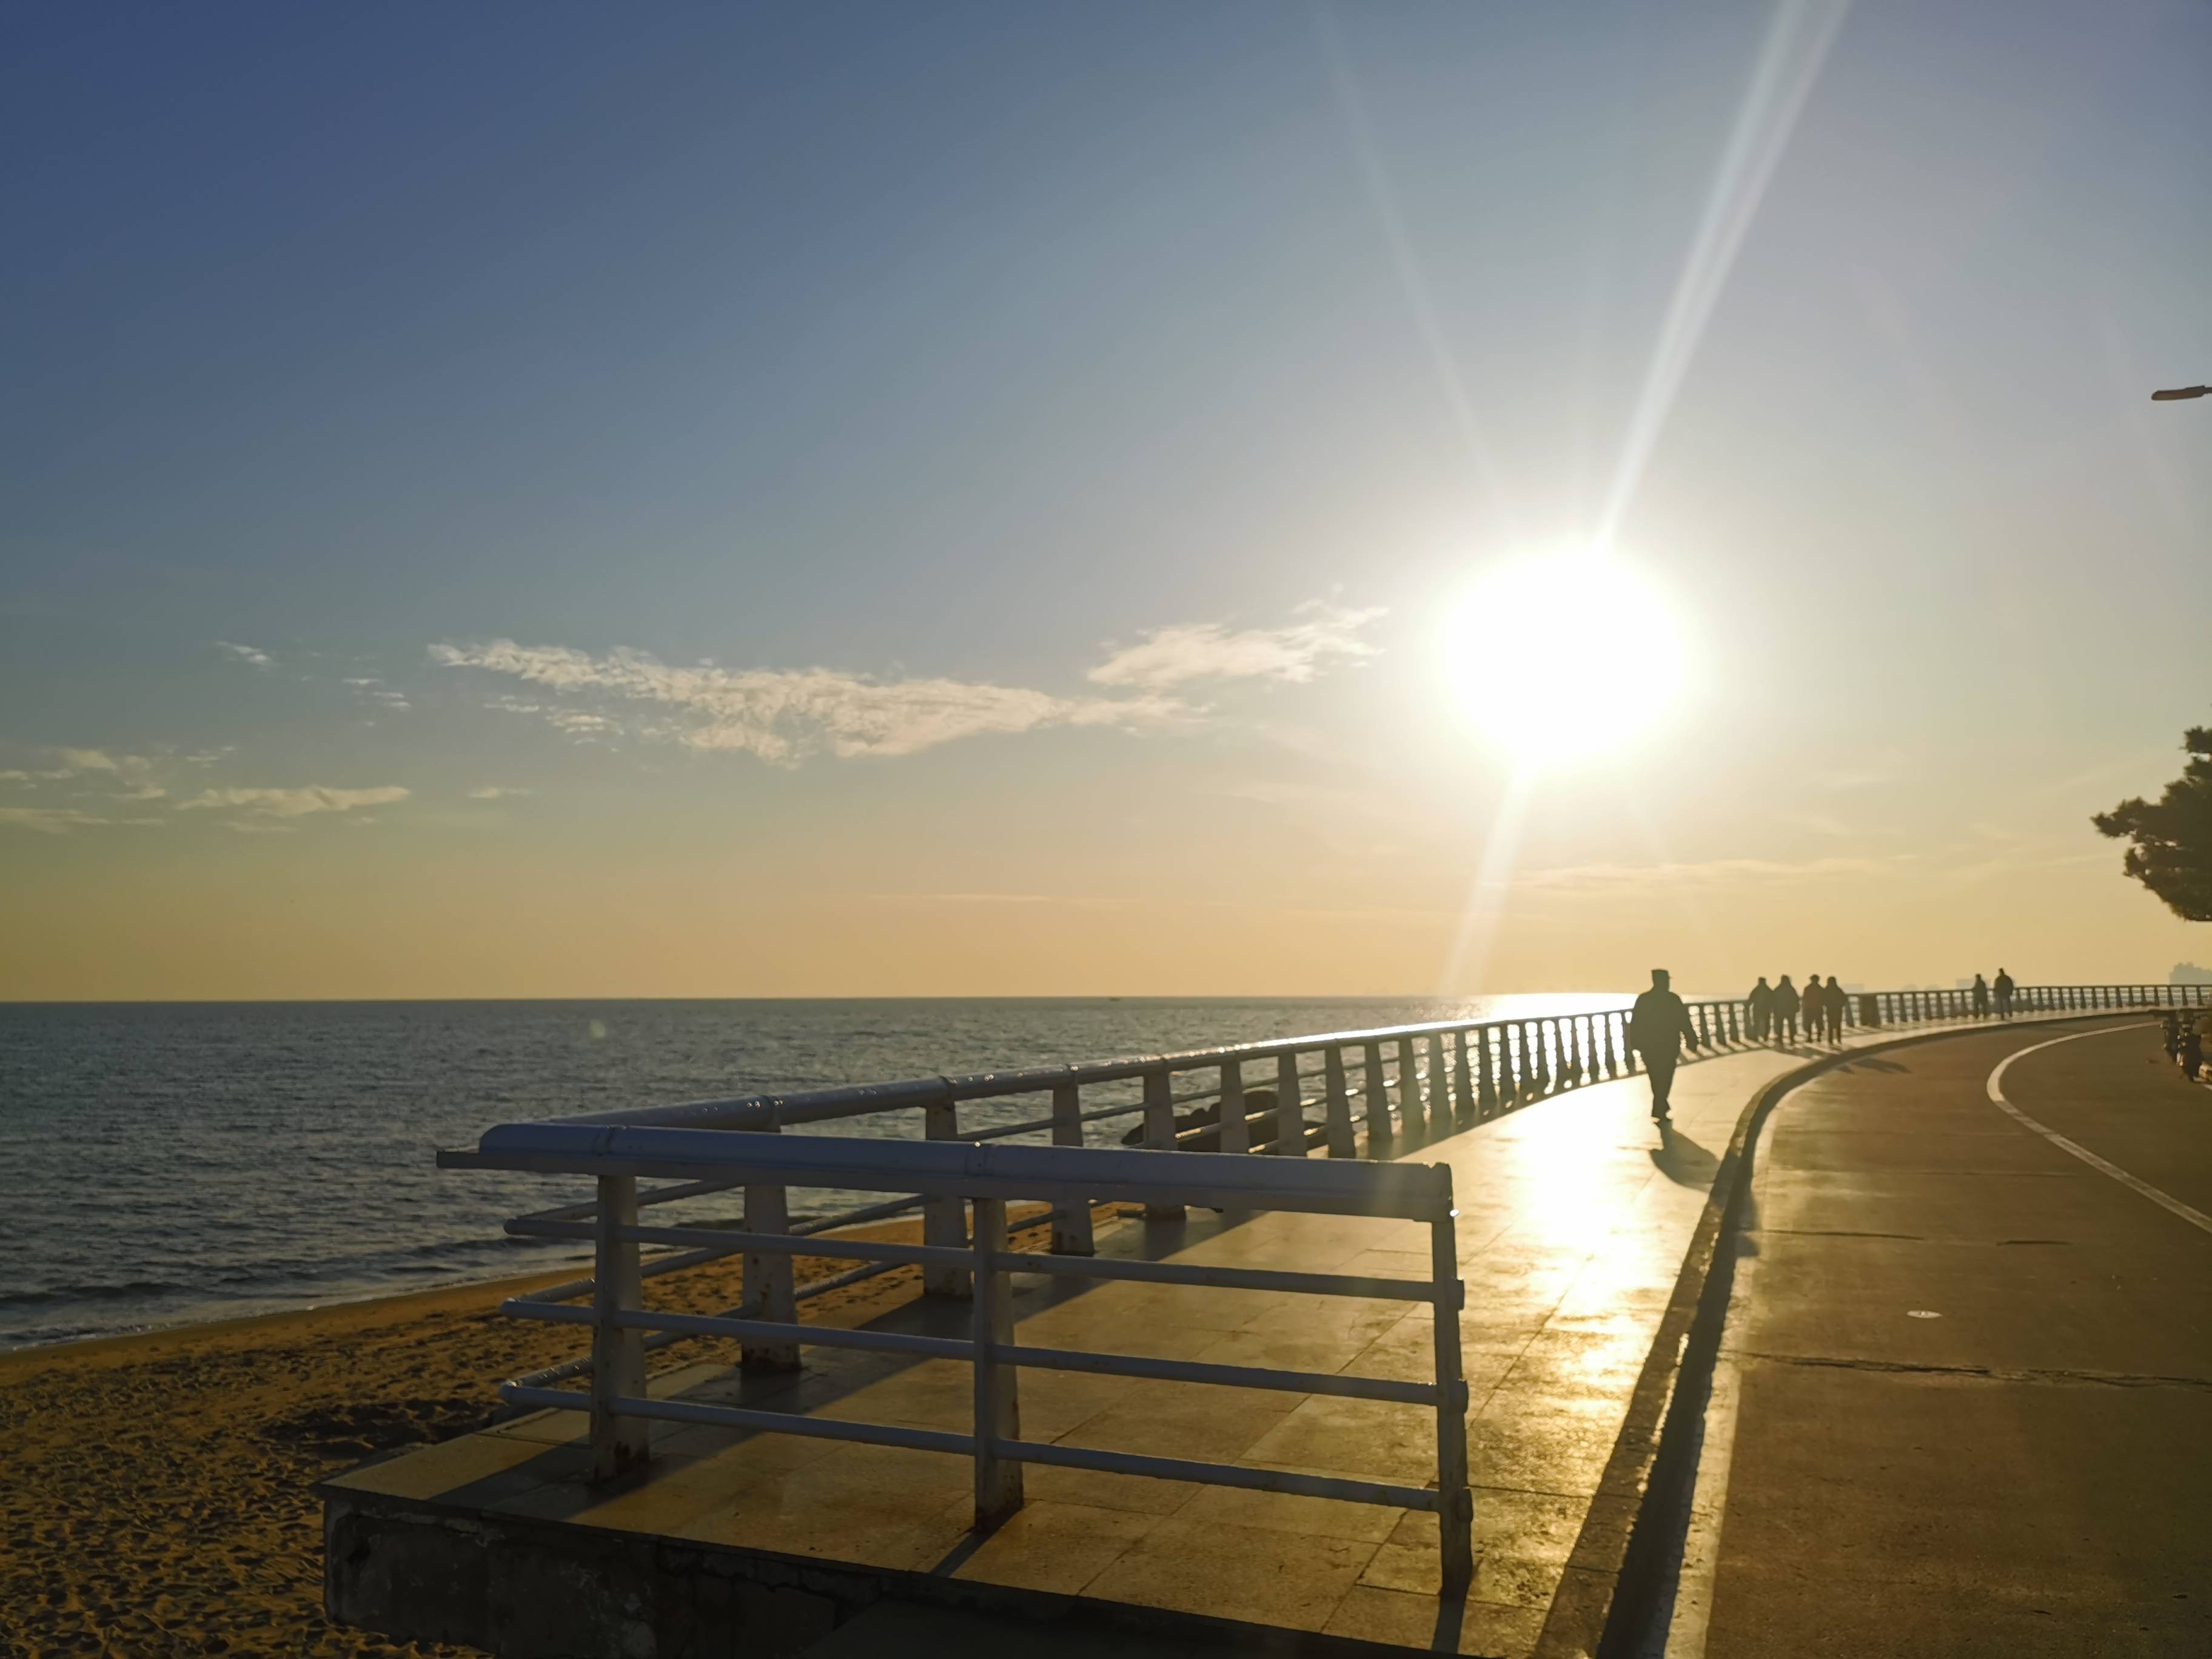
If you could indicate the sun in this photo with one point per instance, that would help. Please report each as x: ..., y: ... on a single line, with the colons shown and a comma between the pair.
x: 1559, y: 658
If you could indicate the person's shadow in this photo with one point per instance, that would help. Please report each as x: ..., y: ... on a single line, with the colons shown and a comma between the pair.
x: 1682, y: 1161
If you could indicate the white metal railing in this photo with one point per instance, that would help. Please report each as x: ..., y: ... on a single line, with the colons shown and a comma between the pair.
x: 1377, y: 1092
x: 987, y: 1178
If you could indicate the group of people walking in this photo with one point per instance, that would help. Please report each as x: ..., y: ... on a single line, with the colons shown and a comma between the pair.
x: 1778, y: 1010
x: 2001, y: 992
x: 1660, y: 1024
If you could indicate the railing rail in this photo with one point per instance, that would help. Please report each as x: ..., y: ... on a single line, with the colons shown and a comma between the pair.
x: 988, y: 1177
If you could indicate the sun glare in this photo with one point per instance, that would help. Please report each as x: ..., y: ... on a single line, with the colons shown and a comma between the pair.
x: 1561, y: 657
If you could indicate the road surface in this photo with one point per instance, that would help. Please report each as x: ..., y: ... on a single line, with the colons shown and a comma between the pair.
x: 1964, y: 1405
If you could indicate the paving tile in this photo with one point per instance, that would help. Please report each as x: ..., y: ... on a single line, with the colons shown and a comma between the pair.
x: 1413, y: 1621
x: 1318, y: 1517
x: 1056, y: 1547
x: 1130, y: 1332
x: 1186, y: 1420
x: 880, y: 1505
x: 455, y: 1465
x: 1377, y: 1438
x: 1287, y: 1579
x: 1406, y: 1353
x: 1335, y: 1315
x: 1290, y: 1350
x: 1543, y: 1443
x: 1140, y: 1493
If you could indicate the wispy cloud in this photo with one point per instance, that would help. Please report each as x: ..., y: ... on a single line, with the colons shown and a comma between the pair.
x: 578, y: 723
x: 57, y: 820
x: 293, y: 802
x: 246, y: 653
x: 496, y: 792
x: 1188, y: 652
x: 128, y: 776
x: 375, y: 692
x: 784, y: 715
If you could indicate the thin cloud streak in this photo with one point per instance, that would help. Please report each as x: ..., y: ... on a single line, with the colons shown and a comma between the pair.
x: 301, y: 802
x: 57, y: 820
x: 1207, y: 651
x: 782, y: 716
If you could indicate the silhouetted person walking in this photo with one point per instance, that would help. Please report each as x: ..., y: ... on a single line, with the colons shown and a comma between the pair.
x: 2002, y: 987
x: 1656, y: 1027
x: 1809, y: 1007
x: 1760, y: 1004
x: 1785, y: 1013
x: 1981, y: 998
x: 1831, y: 1005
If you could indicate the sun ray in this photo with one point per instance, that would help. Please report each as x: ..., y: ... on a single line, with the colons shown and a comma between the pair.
x: 1468, y: 961
x: 1790, y: 61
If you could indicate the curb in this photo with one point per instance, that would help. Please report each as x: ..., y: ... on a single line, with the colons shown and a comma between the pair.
x: 1609, y: 1599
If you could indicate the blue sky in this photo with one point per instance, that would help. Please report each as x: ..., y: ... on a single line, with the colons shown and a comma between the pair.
x: 970, y: 346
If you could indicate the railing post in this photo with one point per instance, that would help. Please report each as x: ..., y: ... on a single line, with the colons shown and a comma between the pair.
x: 1375, y: 1096
x: 1613, y: 1042
x: 769, y: 1287
x: 618, y: 1356
x: 1485, y: 1079
x: 1290, y: 1137
x: 1532, y: 1050
x: 1464, y: 1106
x: 997, y: 1410
x: 1455, y: 1499
x: 1336, y: 1105
x: 943, y: 1218
x: 1235, y: 1134
x: 1411, y: 1117
x: 1070, y: 1222
x: 1160, y: 1131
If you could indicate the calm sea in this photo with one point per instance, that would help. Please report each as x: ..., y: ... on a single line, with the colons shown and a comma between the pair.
x: 169, y: 1163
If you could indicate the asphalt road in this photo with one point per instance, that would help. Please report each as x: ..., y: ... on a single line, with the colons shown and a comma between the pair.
x: 1964, y: 1405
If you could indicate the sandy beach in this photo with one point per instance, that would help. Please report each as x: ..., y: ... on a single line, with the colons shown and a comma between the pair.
x: 156, y: 1493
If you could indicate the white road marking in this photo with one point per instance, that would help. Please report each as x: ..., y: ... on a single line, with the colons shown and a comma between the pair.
x: 2164, y: 1201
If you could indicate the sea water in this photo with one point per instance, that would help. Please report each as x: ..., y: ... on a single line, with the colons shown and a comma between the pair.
x: 168, y: 1163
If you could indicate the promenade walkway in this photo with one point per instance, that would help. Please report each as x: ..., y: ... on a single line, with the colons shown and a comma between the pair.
x: 1964, y: 1405
x: 1576, y: 1213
